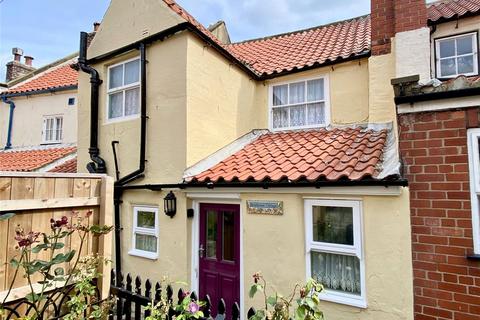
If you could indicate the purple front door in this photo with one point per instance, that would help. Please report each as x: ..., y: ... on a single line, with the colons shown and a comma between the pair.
x: 219, y: 253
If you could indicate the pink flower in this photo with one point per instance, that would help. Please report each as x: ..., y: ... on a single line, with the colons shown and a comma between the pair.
x: 57, y: 224
x: 25, y: 240
x: 193, y: 307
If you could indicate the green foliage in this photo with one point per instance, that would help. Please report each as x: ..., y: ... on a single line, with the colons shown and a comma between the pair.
x: 58, y: 258
x: 184, y: 310
x: 278, y: 307
x: 6, y: 216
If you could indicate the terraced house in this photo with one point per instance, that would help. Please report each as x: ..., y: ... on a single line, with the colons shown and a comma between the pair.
x: 277, y: 154
x: 38, y: 116
x: 438, y: 134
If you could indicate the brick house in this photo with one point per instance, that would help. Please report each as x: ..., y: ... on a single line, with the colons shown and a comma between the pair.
x: 438, y: 126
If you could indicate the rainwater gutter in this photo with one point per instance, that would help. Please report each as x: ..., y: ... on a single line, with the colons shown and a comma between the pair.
x: 8, y: 145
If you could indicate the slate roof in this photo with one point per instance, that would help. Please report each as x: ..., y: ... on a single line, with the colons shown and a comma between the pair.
x: 69, y: 166
x: 32, y: 159
x: 444, y: 10
x: 315, y: 155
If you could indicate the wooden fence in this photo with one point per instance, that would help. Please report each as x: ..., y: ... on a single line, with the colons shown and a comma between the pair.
x: 35, y: 199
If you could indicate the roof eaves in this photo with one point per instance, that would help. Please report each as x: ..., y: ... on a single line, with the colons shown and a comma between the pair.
x: 40, y: 91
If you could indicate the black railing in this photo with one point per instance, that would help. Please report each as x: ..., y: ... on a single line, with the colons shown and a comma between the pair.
x: 54, y: 306
x: 133, y: 297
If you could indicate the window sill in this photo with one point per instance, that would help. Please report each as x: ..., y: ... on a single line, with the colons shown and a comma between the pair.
x: 343, y: 298
x: 474, y: 257
x: 121, y: 119
x: 143, y: 254
x: 51, y: 142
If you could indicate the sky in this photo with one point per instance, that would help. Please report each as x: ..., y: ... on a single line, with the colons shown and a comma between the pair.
x: 49, y: 29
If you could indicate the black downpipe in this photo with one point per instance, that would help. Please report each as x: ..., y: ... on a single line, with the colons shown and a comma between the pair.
x: 137, y: 174
x: 97, y: 165
x: 143, y: 118
x: 8, y: 145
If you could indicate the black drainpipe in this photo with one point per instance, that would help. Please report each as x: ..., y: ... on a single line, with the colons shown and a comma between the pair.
x: 8, y: 145
x: 97, y: 165
x: 137, y: 174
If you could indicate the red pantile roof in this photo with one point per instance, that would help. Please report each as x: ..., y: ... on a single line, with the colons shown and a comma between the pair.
x: 319, y: 45
x: 32, y: 160
x: 53, y: 78
x: 305, y: 48
x: 69, y: 166
x: 447, y: 9
x: 352, y: 154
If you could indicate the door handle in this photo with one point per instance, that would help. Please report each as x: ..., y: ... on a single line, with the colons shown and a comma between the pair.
x: 201, y: 251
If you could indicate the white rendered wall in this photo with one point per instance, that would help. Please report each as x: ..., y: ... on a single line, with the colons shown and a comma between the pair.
x: 412, y: 49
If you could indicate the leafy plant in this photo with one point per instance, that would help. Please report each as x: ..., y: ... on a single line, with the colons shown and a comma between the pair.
x: 278, y: 307
x: 62, y: 268
x: 185, y: 309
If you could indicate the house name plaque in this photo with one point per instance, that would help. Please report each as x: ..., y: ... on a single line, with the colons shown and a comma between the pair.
x: 273, y: 208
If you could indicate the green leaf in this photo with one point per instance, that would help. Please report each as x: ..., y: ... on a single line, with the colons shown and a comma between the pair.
x: 59, y: 272
x: 32, y: 297
x: 300, y: 313
x: 6, y: 216
x: 39, y: 248
x: 253, y: 291
x: 58, y: 245
x: 14, y: 263
x: 272, y: 300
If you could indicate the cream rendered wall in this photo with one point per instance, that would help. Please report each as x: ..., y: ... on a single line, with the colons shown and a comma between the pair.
x: 275, y: 245
x: 464, y: 25
x: 223, y: 103
x: 166, y: 103
x: 381, y: 96
x: 127, y: 21
x: 348, y: 90
x: 412, y: 49
x: 28, y: 118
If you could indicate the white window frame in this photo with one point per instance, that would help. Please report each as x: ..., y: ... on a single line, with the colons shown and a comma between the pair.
x: 475, y: 55
x: 326, y: 101
x: 44, y: 129
x: 122, y: 89
x: 474, y: 166
x: 355, y: 250
x: 144, y: 231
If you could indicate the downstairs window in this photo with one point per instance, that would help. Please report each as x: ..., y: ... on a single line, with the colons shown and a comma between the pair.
x: 474, y: 164
x: 334, y: 250
x: 145, y: 232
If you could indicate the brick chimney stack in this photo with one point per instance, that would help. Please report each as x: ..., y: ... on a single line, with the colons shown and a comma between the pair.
x: 28, y: 60
x: 16, y: 68
x: 390, y: 17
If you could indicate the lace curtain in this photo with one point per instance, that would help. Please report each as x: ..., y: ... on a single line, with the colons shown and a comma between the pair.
x: 145, y: 242
x: 337, y: 272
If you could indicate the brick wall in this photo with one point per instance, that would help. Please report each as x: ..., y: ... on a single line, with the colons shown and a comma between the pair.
x: 16, y: 69
x: 433, y: 148
x: 392, y: 16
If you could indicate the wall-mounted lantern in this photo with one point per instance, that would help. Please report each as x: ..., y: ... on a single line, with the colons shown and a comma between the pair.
x: 170, y: 204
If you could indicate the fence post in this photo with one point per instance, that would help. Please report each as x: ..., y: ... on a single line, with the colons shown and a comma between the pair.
x: 105, y: 242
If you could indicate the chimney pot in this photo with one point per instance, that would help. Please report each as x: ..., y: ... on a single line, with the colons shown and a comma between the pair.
x: 17, y: 54
x: 28, y: 60
x: 96, y: 25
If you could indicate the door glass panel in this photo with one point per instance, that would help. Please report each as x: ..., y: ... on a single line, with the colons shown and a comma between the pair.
x: 333, y: 225
x: 228, y: 253
x: 211, y: 245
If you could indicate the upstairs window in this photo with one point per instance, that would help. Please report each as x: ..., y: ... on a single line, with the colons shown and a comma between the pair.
x: 124, y: 90
x: 52, y: 129
x: 457, y: 55
x: 474, y: 163
x: 299, y: 104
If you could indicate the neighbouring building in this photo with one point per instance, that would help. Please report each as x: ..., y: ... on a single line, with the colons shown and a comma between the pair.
x: 280, y: 154
x: 38, y: 117
x: 438, y: 106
